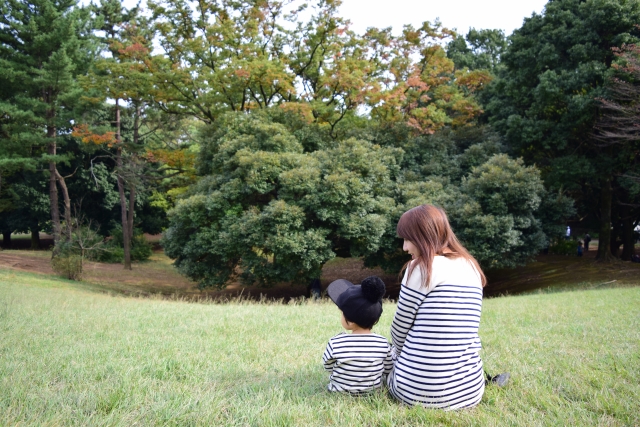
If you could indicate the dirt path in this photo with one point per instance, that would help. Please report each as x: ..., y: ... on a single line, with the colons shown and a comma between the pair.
x: 158, y: 276
x: 553, y: 270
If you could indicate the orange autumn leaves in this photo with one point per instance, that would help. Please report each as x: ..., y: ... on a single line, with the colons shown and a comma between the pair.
x: 237, y: 57
x: 174, y: 159
x: 83, y: 132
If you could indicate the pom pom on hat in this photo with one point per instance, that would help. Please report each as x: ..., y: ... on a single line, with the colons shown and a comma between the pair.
x: 373, y: 288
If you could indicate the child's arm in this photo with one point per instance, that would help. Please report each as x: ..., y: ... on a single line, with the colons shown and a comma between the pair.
x: 327, y: 358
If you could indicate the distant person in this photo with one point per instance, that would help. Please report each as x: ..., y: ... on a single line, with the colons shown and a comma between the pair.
x: 587, y: 239
x: 568, y: 236
x: 315, y: 289
x: 436, y: 346
x: 579, y: 248
x: 357, y: 361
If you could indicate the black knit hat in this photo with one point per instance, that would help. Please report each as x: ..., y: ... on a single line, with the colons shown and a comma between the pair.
x: 361, y: 304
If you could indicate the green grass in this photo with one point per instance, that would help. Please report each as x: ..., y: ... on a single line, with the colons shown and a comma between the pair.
x: 72, y: 357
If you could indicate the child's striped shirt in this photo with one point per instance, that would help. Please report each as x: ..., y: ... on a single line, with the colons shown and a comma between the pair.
x: 357, y: 362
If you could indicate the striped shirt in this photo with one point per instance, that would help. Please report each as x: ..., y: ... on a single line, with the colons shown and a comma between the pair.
x: 435, y: 338
x: 357, y: 362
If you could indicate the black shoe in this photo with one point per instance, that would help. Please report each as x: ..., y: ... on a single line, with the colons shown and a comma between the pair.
x: 500, y: 380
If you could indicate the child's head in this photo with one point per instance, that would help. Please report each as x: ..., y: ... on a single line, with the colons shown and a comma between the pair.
x: 360, y: 304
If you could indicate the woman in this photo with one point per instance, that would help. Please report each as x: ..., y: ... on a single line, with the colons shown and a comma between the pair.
x: 435, y: 328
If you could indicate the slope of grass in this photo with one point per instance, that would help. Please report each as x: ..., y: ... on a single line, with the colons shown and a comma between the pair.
x: 559, y: 271
x: 69, y: 357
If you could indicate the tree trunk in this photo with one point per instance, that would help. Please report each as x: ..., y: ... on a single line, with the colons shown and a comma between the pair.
x: 132, y: 206
x: 628, y: 249
x: 604, y: 240
x: 132, y: 186
x: 35, y: 236
x: 53, y: 189
x: 126, y: 237
x: 616, y: 231
x: 6, y: 239
x: 126, y: 240
x: 67, y: 204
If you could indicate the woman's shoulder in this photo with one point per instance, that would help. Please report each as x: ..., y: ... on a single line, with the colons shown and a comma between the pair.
x: 414, y: 281
x: 444, y: 264
x: 451, y: 262
x: 450, y: 270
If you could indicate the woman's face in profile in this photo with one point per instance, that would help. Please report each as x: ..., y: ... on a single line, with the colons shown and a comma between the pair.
x: 408, y: 246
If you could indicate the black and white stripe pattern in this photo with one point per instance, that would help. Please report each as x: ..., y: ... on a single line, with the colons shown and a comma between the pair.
x: 357, y: 362
x: 435, y: 338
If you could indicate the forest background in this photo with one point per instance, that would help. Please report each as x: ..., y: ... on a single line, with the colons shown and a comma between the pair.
x: 262, y: 144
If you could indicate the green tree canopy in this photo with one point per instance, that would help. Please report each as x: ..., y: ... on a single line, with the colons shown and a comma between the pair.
x: 44, y: 46
x: 273, y: 212
x: 478, y: 50
x: 544, y: 102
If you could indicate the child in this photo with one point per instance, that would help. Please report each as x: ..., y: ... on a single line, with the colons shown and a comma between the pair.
x: 358, y: 360
x: 579, y: 248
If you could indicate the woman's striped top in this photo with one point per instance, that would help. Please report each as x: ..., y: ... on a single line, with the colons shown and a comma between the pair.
x: 435, y: 337
x: 357, y: 362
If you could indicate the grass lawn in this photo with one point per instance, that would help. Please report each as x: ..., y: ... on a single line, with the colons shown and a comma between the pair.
x: 69, y: 356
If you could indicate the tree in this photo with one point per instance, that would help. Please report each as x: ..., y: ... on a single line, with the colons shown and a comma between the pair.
x: 493, y: 201
x: 427, y: 93
x: 271, y: 212
x: 478, y: 50
x: 544, y: 101
x: 219, y: 56
x: 122, y: 77
x: 29, y: 208
x: 244, y: 55
x: 45, y: 44
x: 619, y: 127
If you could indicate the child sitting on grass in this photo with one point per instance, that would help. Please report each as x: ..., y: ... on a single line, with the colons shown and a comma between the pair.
x: 357, y: 361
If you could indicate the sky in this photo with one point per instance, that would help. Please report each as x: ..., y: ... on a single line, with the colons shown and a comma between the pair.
x: 506, y: 15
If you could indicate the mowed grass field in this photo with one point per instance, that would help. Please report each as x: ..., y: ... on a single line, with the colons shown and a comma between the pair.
x: 70, y: 356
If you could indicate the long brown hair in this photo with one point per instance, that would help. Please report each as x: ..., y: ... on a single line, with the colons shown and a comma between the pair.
x: 427, y: 227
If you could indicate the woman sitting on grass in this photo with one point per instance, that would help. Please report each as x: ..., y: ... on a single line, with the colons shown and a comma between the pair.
x: 435, y: 329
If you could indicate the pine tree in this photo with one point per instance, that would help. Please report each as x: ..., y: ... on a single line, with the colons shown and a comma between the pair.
x: 44, y: 46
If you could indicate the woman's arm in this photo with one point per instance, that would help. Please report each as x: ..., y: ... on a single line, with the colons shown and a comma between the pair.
x: 388, y: 362
x: 412, y: 294
x: 408, y: 304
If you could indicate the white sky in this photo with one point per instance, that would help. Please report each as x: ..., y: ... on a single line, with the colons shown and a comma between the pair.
x: 506, y: 15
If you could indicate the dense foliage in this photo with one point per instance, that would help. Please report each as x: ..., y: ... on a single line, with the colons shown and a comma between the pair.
x: 265, y: 140
x: 273, y: 212
x: 545, y: 103
x: 268, y: 210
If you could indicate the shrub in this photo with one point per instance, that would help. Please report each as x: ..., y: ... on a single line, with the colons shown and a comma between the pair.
x: 68, y: 266
x: 271, y: 212
x: 111, y: 254
x: 141, y: 250
x: 113, y: 251
x: 564, y: 247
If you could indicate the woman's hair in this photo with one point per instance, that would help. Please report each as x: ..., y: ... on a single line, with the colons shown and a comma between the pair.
x: 427, y: 227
